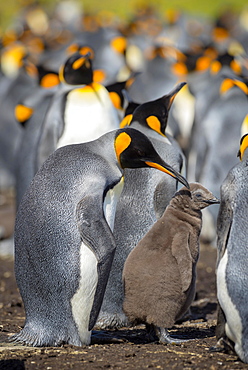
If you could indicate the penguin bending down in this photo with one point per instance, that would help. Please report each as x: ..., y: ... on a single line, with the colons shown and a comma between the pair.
x: 159, y: 274
x: 64, y: 244
x: 232, y: 243
x: 145, y: 195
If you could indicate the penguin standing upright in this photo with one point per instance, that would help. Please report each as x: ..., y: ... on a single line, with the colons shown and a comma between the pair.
x: 64, y: 245
x: 81, y: 110
x: 232, y: 243
x: 159, y: 274
x: 144, y: 198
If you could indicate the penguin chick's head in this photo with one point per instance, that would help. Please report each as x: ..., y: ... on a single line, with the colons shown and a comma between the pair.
x: 77, y: 70
x: 197, y: 197
x: 134, y: 150
x: 243, y: 146
x: 154, y: 114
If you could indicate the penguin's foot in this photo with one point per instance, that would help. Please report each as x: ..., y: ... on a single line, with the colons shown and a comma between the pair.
x: 41, y: 338
x: 111, y: 321
x: 164, y: 337
x: 223, y: 345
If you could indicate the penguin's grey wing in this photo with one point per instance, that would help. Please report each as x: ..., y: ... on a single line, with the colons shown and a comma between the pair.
x: 181, y: 252
x: 52, y: 128
x: 224, y: 220
x: 97, y: 235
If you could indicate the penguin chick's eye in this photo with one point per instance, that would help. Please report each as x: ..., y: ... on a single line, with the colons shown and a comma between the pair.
x: 198, y: 195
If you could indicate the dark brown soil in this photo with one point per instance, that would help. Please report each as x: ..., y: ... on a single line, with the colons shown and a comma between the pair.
x: 128, y: 348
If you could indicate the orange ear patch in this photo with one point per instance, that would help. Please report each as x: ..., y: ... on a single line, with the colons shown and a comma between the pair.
x: 23, y: 113
x: 116, y: 100
x: 119, y: 44
x: 49, y: 80
x: 154, y: 124
x: 126, y: 120
x: 122, y: 142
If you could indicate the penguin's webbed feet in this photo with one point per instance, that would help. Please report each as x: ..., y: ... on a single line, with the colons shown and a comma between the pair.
x: 163, y: 336
x: 224, y: 345
x: 111, y: 321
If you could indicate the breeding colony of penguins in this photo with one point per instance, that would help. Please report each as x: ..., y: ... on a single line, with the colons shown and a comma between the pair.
x: 126, y: 143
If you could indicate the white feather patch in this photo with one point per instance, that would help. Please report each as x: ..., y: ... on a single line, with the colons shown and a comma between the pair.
x: 88, y: 115
x: 233, y: 325
x: 82, y: 300
x: 110, y: 202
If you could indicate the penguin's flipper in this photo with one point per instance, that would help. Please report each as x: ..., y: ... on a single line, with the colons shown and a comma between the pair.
x: 224, y: 224
x: 97, y: 235
x: 181, y: 251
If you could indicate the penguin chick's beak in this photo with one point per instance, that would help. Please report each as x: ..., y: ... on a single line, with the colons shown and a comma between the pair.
x: 213, y: 200
x: 164, y: 167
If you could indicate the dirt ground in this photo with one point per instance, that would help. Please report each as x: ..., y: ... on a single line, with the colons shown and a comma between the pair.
x: 128, y: 348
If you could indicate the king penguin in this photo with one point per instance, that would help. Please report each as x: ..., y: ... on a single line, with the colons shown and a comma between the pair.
x: 144, y: 198
x: 232, y: 243
x: 64, y: 245
x: 80, y: 111
x: 159, y: 274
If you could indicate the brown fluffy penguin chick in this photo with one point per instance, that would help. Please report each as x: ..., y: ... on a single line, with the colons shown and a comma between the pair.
x: 159, y: 274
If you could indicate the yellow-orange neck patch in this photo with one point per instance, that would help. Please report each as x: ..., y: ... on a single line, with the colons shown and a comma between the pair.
x: 122, y: 142
x: 215, y: 67
x: 228, y: 83
x: 23, y: 113
x: 154, y: 123
x: 116, y: 100
x: 180, y: 69
x: 126, y: 120
x: 99, y: 75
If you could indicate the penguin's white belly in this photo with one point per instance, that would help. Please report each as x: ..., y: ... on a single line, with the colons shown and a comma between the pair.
x: 233, y: 325
x: 88, y: 115
x: 83, y: 299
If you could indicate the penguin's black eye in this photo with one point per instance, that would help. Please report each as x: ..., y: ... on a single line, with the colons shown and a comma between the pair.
x: 198, y: 195
x: 140, y: 153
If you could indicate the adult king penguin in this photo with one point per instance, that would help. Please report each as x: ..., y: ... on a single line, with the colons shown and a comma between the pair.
x: 145, y: 195
x: 160, y: 273
x: 80, y: 111
x: 64, y: 245
x: 232, y: 243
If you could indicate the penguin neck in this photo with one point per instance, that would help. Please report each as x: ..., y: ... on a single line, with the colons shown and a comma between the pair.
x: 185, y: 212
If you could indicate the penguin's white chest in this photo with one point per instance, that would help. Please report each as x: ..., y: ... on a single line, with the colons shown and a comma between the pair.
x: 233, y: 325
x: 83, y: 299
x: 88, y: 114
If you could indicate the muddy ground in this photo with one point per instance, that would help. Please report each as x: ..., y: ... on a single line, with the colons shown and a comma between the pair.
x: 123, y: 349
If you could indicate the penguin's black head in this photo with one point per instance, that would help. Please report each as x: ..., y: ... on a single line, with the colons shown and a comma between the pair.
x: 134, y: 150
x: 154, y: 114
x: 243, y: 146
x: 77, y: 70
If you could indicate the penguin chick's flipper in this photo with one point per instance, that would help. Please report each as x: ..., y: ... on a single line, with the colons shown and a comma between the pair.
x: 96, y: 234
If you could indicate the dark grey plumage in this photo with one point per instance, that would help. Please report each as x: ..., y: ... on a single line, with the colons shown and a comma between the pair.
x: 232, y: 243
x: 64, y: 245
x: 159, y: 274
